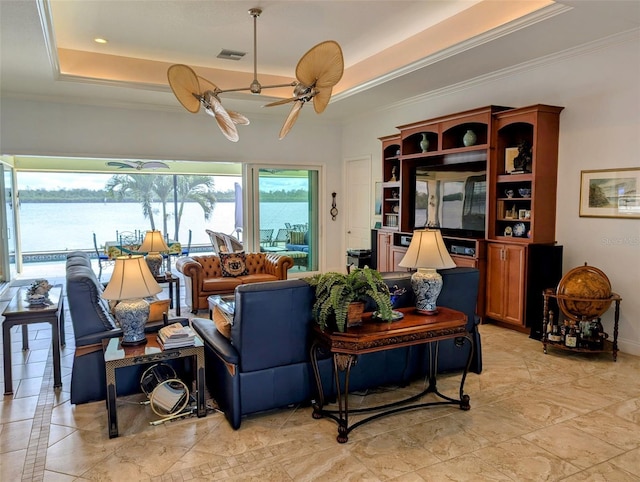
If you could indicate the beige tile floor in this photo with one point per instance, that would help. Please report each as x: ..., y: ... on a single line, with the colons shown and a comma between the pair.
x: 559, y: 416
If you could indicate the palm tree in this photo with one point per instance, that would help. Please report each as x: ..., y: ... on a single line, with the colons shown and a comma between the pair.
x: 148, y: 188
x: 163, y: 188
x: 138, y: 186
x: 198, y: 189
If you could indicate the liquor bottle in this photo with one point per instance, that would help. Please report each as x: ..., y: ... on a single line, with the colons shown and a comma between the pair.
x: 564, y: 330
x: 571, y: 339
x: 599, y: 334
x: 555, y: 329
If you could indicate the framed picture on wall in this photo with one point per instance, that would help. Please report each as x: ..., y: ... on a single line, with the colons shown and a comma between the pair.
x: 378, y: 199
x: 610, y: 193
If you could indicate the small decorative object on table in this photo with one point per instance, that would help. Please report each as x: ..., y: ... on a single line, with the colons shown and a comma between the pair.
x: 524, y: 192
x: 469, y: 139
x: 38, y: 293
x: 394, y: 174
x: 522, y: 163
x: 396, y: 293
x: 424, y: 143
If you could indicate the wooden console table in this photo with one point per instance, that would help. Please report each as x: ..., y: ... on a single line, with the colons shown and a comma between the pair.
x: 19, y: 312
x: 372, y: 336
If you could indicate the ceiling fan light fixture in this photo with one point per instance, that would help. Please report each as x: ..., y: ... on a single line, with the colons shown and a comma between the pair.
x: 316, y: 73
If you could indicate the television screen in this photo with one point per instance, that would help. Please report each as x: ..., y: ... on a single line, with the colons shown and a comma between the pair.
x: 451, y: 200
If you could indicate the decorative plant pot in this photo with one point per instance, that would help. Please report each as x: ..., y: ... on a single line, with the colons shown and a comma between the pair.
x: 354, y: 313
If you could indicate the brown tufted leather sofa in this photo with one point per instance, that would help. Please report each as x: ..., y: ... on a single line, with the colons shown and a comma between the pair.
x: 203, y: 275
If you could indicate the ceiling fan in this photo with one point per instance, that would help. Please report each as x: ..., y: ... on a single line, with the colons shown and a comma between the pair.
x: 316, y: 73
x: 138, y: 165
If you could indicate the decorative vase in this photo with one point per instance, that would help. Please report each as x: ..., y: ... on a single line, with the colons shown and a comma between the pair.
x: 426, y: 284
x: 132, y: 316
x: 424, y: 143
x: 469, y: 138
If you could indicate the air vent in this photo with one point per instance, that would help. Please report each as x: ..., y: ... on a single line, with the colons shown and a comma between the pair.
x: 231, y: 54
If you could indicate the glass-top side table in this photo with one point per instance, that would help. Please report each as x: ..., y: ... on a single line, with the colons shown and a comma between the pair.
x: 226, y: 304
x: 118, y: 356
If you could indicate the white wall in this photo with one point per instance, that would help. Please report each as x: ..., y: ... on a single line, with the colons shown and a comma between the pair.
x: 599, y: 88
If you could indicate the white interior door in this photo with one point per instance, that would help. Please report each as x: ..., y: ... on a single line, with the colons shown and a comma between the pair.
x: 358, y: 203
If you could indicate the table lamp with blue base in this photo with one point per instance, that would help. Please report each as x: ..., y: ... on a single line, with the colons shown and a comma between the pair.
x: 130, y: 283
x: 153, y: 244
x: 427, y: 253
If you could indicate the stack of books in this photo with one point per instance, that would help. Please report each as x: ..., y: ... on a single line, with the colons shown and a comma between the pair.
x: 176, y: 336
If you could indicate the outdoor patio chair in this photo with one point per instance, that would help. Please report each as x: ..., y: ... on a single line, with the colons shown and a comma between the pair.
x: 281, y: 237
x: 223, y: 243
x: 100, y: 255
x: 265, y: 237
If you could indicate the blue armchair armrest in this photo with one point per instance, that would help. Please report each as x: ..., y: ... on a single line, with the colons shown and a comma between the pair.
x: 214, y: 340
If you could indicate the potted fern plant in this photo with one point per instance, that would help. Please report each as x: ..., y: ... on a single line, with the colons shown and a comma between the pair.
x: 337, y: 292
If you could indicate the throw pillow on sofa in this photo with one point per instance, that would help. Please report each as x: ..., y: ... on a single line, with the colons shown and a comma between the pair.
x: 233, y: 264
x: 296, y: 237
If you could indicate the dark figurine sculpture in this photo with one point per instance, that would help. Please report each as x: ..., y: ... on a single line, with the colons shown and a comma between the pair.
x: 523, y: 161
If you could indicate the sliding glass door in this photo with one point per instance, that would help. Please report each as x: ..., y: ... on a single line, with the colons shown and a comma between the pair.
x: 285, y: 214
x: 8, y: 270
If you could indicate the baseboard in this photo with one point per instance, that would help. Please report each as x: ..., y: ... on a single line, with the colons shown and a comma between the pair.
x: 630, y: 347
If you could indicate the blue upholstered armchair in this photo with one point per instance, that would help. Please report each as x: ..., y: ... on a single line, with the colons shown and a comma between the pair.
x: 265, y: 363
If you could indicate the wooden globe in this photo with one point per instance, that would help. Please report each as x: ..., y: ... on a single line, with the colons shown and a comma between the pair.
x: 580, y: 290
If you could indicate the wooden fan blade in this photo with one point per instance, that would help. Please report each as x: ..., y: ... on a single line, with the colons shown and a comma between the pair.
x: 238, y: 118
x: 207, y: 85
x: 322, y: 65
x: 223, y: 119
x: 121, y: 164
x: 321, y: 99
x: 281, y: 102
x: 291, y: 119
x: 154, y: 165
x: 184, y: 83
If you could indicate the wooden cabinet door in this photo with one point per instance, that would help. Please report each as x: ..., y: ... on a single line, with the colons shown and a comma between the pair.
x: 495, y: 281
x: 505, y: 282
x: 514, y: 264
x: 397, y: 253
x: 384, y: 244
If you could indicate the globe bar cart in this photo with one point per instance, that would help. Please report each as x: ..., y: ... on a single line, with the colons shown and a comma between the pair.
x: 582, y: 296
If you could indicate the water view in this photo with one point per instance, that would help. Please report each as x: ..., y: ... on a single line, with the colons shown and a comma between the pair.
x: 69, y: 226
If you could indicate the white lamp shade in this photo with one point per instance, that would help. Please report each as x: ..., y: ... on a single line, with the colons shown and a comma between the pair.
x: 427, y: 250
x: 131, y: 279
x: 153, y: 243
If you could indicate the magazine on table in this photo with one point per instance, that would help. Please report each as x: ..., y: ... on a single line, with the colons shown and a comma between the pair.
x: 167, y: 397
x: 176, y: 336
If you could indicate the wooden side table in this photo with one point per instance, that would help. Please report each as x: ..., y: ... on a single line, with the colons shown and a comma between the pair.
x: 19, y: 312
x: 171, y: 279
x: 371, y: 336
x: 118, y: 356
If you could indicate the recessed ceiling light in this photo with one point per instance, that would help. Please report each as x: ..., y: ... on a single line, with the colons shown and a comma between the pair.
x: 99, y: 40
